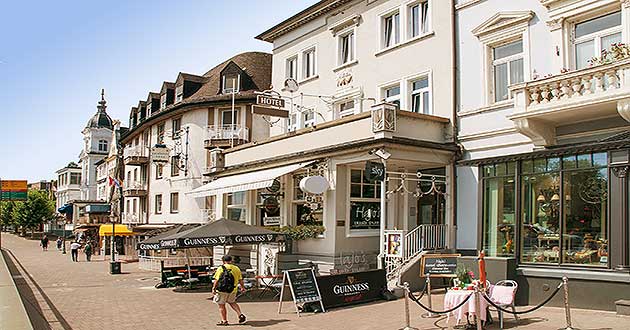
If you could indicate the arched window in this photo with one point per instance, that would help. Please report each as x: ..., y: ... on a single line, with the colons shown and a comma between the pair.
x: 102, y: 145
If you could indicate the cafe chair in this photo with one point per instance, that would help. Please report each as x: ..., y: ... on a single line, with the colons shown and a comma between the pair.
x: 503, y: 294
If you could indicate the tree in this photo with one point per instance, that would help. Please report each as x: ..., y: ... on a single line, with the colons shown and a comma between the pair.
x: 6, y: 214
x: 36, y: 210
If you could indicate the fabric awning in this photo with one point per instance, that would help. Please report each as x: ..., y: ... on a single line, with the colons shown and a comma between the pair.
x: 246, y: 181
x: 66, y: 208
x: 120, y: 230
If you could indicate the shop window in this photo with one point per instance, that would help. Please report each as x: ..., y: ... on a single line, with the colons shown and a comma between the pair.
x: 365, y: 208
x: 236, y: 206
x: 499, y: 211
x: 303, y: 212
x: 594, y: 36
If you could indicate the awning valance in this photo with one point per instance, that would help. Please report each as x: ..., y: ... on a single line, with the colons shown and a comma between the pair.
x: 66, y: 208
x: 120, y: 230
x: 246, y: 181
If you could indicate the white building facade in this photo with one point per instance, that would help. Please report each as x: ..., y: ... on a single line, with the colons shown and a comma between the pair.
x: 68, y: 184
x: 543, y: 121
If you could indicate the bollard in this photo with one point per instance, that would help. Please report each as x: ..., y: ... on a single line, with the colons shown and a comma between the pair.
x: 407, y: 320
x: 567, y: 308
x: 428, y: 286
x: 478, y: 308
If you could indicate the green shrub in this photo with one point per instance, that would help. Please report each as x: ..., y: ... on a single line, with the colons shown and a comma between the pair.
x: 301, y: 232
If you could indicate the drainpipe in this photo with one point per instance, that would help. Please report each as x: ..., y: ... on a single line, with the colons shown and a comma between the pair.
x: 455, y: 102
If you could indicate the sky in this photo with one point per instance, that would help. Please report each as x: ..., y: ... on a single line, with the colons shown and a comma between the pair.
x: 55, y: 56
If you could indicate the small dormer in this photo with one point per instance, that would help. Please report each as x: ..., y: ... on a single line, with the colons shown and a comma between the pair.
x: 133, y: 117
x: 234, y: 78
x: 186, y: 85
x: 153, y: 103
x: 142, y: 111
x: 167, y: 94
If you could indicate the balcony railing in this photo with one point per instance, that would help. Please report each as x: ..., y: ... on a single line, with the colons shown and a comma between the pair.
x: 208, y: 215
x: 136, y: 155
x: 135, y: 185
x: 134, y: 218
x: 225, y: 133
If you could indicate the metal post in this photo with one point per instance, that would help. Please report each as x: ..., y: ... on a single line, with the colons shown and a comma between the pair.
x: 567, y: 308
x: 428, y: 286
x: 381, y: 255
x: 478, y: 309
x: 407, y: 321
x: 64, y: 236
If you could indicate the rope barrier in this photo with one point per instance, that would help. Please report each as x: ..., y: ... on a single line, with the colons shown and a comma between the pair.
x: 439, y: 312
x: 525, y: 311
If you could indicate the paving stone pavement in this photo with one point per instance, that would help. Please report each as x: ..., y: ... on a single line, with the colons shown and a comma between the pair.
x: 88, y: 297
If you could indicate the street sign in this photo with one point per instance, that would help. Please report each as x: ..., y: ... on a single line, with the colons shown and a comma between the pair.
x: 14, y: 195
x: 14, y: 190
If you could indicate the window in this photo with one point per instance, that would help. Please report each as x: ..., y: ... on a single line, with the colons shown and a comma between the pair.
x: 346, y: 48
x: 229, y: 118
x: 308, y: 118
x: 293, y: 122
x: 135, y: 206
x: 595, y: 35
x: 160, y: 133
x: 236, y: 208
x: 174, y: 165
x: 158, y: 204
x: 75, y: 178
x: 365, y: 207
x: 499, y: 209
x: 159, y: 171
x: 507, y: 64
x: 391, y: 30
x: 308, y: 59
x: 145, y: 138
x: 304, y: 214
x: 420, y: 96
x: 267, y: 216
x: 102, y: 145
x: 177, y: 126
x: 419, y: 18
x: 392, y: 95
x: 163, y: 101
x: 179, y: 93
x: 231, y: 83
x: 292, y: 68
x: 346, y: 108
x: 174, y: 202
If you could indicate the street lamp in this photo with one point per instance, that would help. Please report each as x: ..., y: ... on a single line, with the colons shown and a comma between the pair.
x: 63, y: 223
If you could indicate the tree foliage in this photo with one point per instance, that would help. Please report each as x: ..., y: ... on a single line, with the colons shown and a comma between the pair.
x: 6, y: 214
x: 36, y: 210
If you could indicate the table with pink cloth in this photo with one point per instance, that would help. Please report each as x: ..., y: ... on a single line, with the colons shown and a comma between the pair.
x: 455, y: 297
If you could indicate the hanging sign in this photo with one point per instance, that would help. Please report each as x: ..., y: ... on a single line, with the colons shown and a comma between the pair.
x: 271, y: 204
x: 304, y: 288
x: 374, y: 171
x: 315, y: 184
x: 439, y: 265
x: 275, y: 186
x: 269, y: 101
x: 160, y: 154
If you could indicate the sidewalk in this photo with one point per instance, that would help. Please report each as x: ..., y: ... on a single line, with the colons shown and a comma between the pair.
x: 12, y: 311
x: 90, y: 298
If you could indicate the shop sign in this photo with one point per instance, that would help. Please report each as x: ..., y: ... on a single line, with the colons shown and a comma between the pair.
x: 271, y: 204
x: 374, y: 171
x: 315, y: 184
x: 395, y: 241
x: 303, y: 285
x: 439, y: 265
x: 160, y: 154
x: 352, y: 288
x: 275, y: 186
x: 171, y: 243
x: 365, y: 215
x: 149, y: 246
x: 271, y: 221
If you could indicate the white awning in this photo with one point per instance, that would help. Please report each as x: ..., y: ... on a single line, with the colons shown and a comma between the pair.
x: 246, y: 181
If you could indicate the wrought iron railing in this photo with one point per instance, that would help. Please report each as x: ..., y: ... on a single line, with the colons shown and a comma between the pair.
x: 151, y: 263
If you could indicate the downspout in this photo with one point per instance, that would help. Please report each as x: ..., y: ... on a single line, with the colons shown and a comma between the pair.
x: 455, y: 102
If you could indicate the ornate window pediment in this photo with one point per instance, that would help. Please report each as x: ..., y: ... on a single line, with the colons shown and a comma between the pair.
x: 501, y: 21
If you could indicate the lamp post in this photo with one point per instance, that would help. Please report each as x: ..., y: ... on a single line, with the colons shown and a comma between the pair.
x: 64, y: 235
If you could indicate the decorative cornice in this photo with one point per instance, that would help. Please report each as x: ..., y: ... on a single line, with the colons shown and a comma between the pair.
x: 625, y: 3
x: 621, y: 171
x: 555, y: 24
x: 502, y: 20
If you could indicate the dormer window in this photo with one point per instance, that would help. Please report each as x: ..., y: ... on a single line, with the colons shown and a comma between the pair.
x: 163, y: 101
x: 102, y: 145
x: 231, y: 83
x: 179, y: 93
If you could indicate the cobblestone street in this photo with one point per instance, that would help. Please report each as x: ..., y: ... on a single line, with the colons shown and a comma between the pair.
x: 85, y: 296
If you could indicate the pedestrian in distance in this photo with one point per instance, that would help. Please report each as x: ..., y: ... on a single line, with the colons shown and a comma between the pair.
x: 59, y: 243
x: 87, y: 249
x: 226, y: 281
x: 44, y: 243
x: 74, y: 251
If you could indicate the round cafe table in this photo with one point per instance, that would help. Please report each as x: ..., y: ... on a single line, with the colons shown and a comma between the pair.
x: 455, y: 297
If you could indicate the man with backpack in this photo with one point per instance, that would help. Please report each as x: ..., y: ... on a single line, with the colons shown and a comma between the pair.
x: 226, y: 279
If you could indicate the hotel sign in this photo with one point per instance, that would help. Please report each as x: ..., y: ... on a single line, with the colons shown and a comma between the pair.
x: 269, y: 101
x: 270, y: 106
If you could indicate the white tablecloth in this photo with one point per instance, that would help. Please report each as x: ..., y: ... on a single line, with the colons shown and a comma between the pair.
x: 455, y: 297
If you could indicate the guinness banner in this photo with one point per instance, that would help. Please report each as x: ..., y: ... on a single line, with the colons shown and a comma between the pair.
x: 148, y: 246
x: 226, y: 240
x: 352, y: 288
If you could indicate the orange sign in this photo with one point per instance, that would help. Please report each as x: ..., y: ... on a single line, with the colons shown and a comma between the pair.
x: 13, y: 185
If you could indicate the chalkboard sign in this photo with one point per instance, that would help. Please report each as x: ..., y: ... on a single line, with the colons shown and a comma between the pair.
x: 303, y: 287
x: 374, y: 171
x: 439, y: 265
x: 365, y: 215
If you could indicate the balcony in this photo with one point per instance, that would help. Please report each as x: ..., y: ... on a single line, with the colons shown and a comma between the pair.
x: 134, y: 218
x: 207, y: 215
x: 137, y: 155
x: 225, y: 136
x: 598, y: 92
x: 135, y: 189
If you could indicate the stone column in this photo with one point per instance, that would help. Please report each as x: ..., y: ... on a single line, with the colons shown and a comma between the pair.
x: 625, y: 21
x: 620, y: 201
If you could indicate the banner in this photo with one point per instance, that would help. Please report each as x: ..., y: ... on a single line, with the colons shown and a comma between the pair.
x: 352, y: 288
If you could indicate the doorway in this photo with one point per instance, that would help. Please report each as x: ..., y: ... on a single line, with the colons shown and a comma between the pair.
x: 431, y: 208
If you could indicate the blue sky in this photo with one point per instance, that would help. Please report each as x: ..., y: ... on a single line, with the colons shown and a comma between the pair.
x: 55, y: 56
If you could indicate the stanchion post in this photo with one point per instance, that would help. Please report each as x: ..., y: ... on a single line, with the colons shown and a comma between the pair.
x: 478, y: 308
x: 407, y: 320
x: 567, y: 308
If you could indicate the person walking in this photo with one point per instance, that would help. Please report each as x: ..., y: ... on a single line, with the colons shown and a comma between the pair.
x: 87, y: 249
x: 74, y: 250
x: 44, y: 243
x: 59, y: 243
x: 226, y: 281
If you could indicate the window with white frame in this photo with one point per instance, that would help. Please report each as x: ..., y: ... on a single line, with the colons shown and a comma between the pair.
x: 302, y: 212
x: 292, y: 68
x: 158, y: 204
x: 421, y: 96
x: 419, y: 18
x: 163, y: 101
x: 390, y: 29
x: 179, y: 93
x: 308, y: 63
x: 102, y: 145
x: 231, y: 83
x: 308, y: 118
x: 174, y: 202
x: 236, y: 206
x: 176, y: 126
x: 345, y: 108
x: 392, y: 95
x: 594, y: 36
x: 364, y: 202
x: 507, y: 68
x: 346, y: 47
x: 293, y: 122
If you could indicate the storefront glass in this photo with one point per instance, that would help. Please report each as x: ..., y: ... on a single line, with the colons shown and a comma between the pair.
x: 499, y: 199
x: 304, y: 212
x: 365, y: 207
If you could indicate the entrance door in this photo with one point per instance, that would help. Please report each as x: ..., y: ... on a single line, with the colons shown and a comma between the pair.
x: 431, y: 208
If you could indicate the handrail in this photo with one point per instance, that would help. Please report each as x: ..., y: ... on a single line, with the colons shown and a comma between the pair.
x: 419, y: 239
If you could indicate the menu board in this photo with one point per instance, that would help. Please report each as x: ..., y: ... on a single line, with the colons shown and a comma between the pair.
x: 365, y: 215
x: 439, y: 265
x: 303, y: 285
